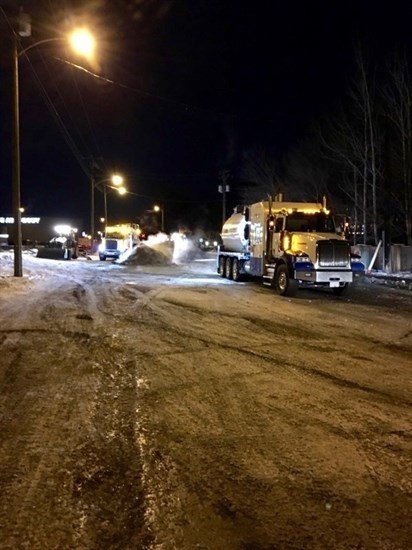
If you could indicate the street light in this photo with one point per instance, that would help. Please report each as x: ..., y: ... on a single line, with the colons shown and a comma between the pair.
x: 157, y: 208
x: 116, y: 181
x: 24, y: 31
x: 83, y: 43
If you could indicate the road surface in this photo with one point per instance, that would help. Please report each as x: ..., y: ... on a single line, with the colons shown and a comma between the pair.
x: 163, y: 407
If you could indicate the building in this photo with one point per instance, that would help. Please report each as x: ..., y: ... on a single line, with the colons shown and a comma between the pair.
x: 35, y: 230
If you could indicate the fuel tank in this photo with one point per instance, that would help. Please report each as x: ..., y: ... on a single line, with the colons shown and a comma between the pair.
x: 234, y: 234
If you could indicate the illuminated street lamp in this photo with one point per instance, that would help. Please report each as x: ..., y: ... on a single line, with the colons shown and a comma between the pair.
x: 157, y: 208
x: 116, y: 181
x: 24, y: 31
x: 83, y: 43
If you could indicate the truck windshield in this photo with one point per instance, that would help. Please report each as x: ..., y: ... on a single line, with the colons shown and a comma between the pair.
x: 320, y: 223
x: 114, y: 235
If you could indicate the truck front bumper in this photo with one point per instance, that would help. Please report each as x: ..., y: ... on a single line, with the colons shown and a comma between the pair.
x: 329, y: 278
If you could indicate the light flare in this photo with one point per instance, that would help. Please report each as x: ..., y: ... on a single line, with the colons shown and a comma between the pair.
x: 83, y: 43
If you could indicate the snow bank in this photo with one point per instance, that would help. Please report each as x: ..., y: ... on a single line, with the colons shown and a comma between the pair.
x: 160, y: 250
x: 143, y: 254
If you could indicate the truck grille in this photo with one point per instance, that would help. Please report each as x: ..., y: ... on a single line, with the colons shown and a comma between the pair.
x: 111, y: 244
x: 333, y: 253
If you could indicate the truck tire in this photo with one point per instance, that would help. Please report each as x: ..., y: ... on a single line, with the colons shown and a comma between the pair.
x: 236, y: 270
x: 222, y: 266
x: 285, y: 286
x: 229, y: 268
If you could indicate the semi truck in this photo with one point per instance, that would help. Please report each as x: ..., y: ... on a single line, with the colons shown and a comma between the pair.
x: 118, y: 239
x: 288, y: 245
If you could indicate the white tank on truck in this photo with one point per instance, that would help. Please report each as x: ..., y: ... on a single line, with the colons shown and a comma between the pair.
x: 289, y: 245
x: 235, y: 232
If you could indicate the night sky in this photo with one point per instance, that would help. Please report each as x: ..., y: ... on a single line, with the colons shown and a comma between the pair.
x: 187, y: 87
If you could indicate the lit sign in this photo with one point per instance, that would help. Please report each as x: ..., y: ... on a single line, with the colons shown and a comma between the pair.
x: 24, y: 219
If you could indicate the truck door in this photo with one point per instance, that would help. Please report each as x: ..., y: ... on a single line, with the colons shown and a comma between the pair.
x: 279, y: 227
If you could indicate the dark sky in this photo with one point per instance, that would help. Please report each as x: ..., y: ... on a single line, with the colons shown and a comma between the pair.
x: 195, y: 84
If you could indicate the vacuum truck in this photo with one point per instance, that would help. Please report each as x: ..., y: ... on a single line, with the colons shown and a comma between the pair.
x: 289, y: 245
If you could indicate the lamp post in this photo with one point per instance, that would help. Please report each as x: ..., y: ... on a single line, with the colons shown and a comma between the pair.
x: 18, y: 259
x: 160, y: 209
x: 81, y: 44
x: 116, y: 180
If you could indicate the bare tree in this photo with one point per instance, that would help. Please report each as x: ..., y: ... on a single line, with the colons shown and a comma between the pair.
x: 363, y: 95
x: 261, y: 170
x: 306, y: 172
x: 342, y: 141
x: 398, y: 109
x: 351, y: 139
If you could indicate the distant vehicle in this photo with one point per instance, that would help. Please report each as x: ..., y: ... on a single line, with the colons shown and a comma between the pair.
x: 289, y: 245
x: 61, y: 247
x: 84, y: 245
x: 118, y: 239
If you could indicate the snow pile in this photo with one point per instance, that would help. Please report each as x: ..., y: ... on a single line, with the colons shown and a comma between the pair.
x: 148, y: 254
x: 401, y: 280
x: 162, y: 250
x: 6, y: 267
x: 8, y: 280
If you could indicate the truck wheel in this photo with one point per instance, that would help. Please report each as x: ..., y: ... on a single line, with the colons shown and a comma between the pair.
x: 285, y: 286
x: 236, y: 270
x: 229, y: 268
x: 222, y: 266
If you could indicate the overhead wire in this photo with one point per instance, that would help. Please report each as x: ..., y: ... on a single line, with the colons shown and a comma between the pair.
x: 80, y: 134
x: 186, y: 106
x: 62, y: 126
x: 44, y: 92
x: 55, y: 114
x: 52, y: 108
x: 63, y: 103
x: 87, y: 118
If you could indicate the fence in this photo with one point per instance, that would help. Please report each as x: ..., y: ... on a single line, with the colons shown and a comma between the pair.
x: 398, y: 257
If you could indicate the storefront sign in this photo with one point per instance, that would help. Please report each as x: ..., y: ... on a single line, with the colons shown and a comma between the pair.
x: 24, y: 219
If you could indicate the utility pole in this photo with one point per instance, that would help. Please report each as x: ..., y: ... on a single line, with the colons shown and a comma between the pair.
x: 93, y: 165
x: 92, y: 207
x: 224, y: 175
x: 18, y: 263
x: 23, y: 30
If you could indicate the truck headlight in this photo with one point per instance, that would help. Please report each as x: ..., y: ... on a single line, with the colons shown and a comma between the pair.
x: 355, y: 252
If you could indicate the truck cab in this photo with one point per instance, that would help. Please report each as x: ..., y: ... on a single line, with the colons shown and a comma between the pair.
x: 117, y: 240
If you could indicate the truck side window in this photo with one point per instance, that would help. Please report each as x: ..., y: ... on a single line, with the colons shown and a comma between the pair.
x: 279, y: 225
